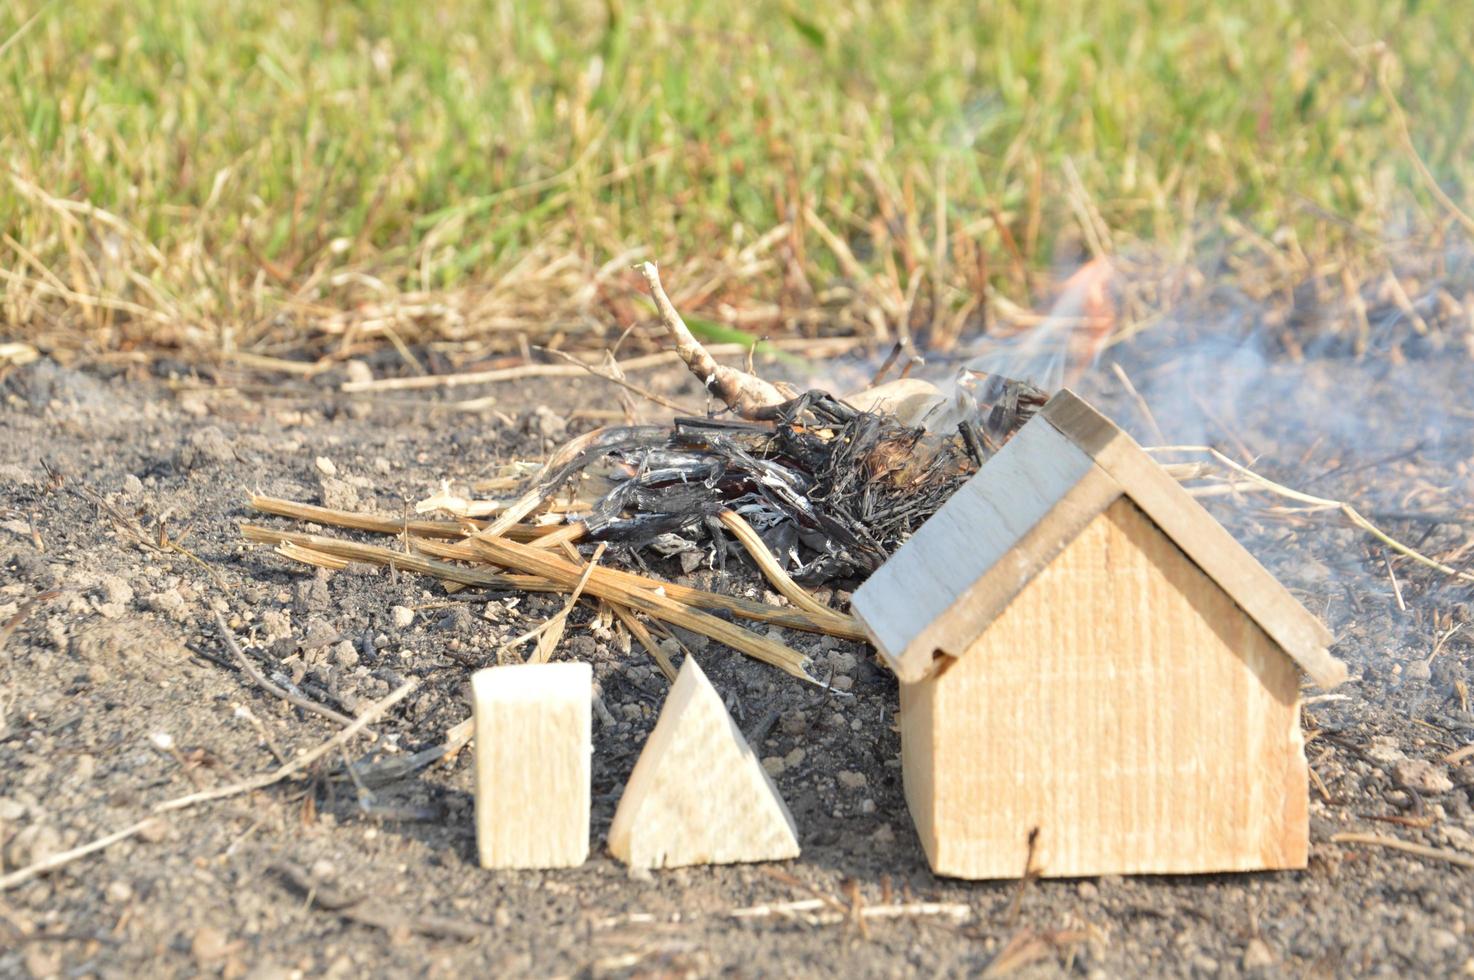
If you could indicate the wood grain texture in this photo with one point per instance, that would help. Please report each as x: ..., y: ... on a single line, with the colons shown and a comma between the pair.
x: 1202, y: 538
x: 698, y: 794
x: 532, y: 743
x: 1124, y: 706
x: 980, y: 548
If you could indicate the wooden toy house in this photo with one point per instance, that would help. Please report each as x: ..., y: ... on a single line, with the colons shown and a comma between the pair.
x: 1095, y: 676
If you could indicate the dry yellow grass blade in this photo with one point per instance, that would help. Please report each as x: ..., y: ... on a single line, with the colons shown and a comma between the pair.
x: 384, y: 524
x: 772, y: 571
x: 831, y: 623
x: 656, y: 602
x: 548, y: 573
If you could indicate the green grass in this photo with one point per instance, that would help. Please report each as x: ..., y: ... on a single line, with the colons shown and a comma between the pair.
x: 276, y: 176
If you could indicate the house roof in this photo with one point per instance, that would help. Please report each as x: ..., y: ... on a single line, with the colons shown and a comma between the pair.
x: 958, y: 572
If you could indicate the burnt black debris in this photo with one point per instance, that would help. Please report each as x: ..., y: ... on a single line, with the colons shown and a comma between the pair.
x: 831, y: 491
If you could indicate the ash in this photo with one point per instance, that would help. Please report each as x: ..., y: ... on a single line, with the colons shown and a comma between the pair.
x: 831, y: 491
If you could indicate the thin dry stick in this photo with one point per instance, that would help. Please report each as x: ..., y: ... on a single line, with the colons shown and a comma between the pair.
x: 763, y: 558
x: 383, y: 524
x: 606, y: 586
x: 310, y: 557
x: 832, y: 624
x: 1141, y: 405
x: 499, y: 374
x: 744, y: 393
x: 953, y: 910
x: 1429, y: 180
x: 624, y: 383
x: 1398, y: 844
x: 1346, y: 509
x: 373, y: 713
x: 551, y: 636
x: 255, y: 674
x: 639, y: 632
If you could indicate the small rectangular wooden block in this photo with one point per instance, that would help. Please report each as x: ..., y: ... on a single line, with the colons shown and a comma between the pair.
x: 533, y: 743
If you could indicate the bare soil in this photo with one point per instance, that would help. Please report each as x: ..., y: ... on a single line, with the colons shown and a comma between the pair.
x: 127, y: 649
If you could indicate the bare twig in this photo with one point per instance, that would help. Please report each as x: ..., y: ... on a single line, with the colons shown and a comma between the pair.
x: 624, y: 383
x: 499, y: 374
x: 373, y: 713
x: 763, y: 558
x: 808, y: 906
x: 368, y: 912
x: 1325, y: 503
x: 1398, y: 844
x: 744, y: 393
x: 261, y: 680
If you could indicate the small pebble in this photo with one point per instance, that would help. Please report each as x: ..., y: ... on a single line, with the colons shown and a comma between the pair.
x: 132, y: 486
x: 843, y: 682
x: 1257, y: 955
x: 773, y: 765
x: 1421, y: 776
x: 402, y: 616
x: 852, y: 780
x: 118, y: 891
x: 325, y: 466
x: 794, y: 758
x: 345, y: 654
x: 793, y: 722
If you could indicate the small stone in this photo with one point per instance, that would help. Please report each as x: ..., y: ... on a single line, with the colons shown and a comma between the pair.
x: 154, y: 832
x: 115, y: 589
x: 1088, y: 890
x: 852, y: 780
x: 1384, y: 750
x: 1442, y: 939
x: 345, y: 655
x: 169, y: 602
x: 358, y: 372
x: 323, y: 871
x: 402, y: 616
x: 843, y: 662
x: 118, y: 891
x: 209, y: 444
x: 339, y: 494
x: 1203, y: 963
x: 843, y: 682
x: 132, y: 486
x: 884, y: 834
x: 1418, y: 670
x: 793, y: 722
x: 42, y: 960
x: 325, y: 466
x: 794, y: 758
x: 1421, y: 776
x: 773, y: 765
x: 84, y: 768
x: 1257, y: 955
x: 1459, y: 838
x: 11, y: 810
x: 208, y: 945
x: 36, y: 842
x: 867, y: 806
x: 319, y: 634
x: 547, y: 423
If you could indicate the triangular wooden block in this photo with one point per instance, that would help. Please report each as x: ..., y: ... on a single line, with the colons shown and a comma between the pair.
x: 698, y: 794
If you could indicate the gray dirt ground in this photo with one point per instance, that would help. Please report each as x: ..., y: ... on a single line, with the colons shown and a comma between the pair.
x: 128, y: 649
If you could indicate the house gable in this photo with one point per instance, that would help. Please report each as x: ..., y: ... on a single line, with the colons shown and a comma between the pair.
x: 1154, y: 729
x: 1067, y: 465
